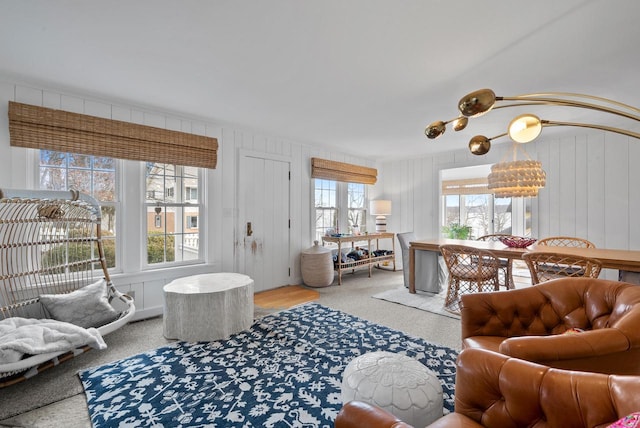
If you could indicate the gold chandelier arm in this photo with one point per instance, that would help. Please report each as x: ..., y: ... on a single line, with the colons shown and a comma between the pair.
x: 568, y: 103
x: 504, y: 134
x: 574, y: 95
x: 593, y: 126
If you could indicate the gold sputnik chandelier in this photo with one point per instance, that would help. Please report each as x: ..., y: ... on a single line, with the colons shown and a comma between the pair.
x: 526, y: 127
x: 524, y: 177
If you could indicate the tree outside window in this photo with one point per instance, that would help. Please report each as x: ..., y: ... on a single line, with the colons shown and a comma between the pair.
x: 325, y: 206
x: 92, y: 175
x: 356, y: 215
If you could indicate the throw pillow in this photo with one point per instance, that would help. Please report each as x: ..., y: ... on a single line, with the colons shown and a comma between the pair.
x: 629, y: 421
x: 87, y: 307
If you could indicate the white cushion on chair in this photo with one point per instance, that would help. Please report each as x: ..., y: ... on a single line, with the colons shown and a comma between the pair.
x: 87, y: 307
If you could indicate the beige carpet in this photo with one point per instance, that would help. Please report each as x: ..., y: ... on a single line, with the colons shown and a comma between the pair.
x: 422, y: 300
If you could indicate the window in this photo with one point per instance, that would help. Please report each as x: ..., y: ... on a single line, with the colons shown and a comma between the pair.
x: 175, y: 207
x: 356, y: 217
x: 484, y: 213
x: 339, y: 206
x: 325, y: 207
x: 93, y: 175
x: 467, y: 201
x: 192, y: 221
x: 191, y: 194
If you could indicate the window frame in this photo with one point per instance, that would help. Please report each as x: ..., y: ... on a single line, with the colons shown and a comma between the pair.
x: 116, y: 203
x: 179, y: 190
x: 130, y: 211
x: 341, y: 209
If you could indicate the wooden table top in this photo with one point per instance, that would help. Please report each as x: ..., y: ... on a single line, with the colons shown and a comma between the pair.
x: 628, y: 260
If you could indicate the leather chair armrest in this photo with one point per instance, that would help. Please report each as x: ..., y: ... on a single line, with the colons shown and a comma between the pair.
x: 558, y: 347
x: 357, y: 414
x: 455, y: 420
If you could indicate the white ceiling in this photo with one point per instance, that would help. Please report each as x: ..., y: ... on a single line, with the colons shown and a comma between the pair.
x: 362, y: 76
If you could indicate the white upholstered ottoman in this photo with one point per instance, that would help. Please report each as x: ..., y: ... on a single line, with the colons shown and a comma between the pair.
x: 396, y: 383
x: 207, y: 307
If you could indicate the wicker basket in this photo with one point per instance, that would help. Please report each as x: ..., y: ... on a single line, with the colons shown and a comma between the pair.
x: 317, y: 266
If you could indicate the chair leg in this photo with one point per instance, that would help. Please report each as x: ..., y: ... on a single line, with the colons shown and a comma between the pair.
x: 451, y: 301
x: 509, y: 279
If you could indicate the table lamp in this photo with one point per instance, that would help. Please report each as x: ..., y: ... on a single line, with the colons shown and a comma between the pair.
x: 380, y: 209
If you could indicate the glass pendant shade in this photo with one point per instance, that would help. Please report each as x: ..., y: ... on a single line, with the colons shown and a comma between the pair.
x: 460, y: 123
x: 435, y: 130
x: 477, y: 103
x: 525, y: 128
x: 479, y: 145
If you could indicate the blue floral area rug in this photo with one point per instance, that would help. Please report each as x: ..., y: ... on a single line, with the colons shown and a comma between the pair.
x: 285, y: 371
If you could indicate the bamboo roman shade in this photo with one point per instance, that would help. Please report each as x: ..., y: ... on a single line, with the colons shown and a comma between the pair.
x: 467, y: 186
x: 340, y: 171
x: 49, y: 129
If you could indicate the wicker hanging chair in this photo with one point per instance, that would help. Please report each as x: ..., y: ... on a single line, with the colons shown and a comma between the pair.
x: 50, y: 243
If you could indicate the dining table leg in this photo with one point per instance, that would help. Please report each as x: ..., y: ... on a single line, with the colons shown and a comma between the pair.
x: 412, y: 269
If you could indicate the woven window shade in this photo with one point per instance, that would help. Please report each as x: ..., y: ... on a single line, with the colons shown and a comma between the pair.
x: 49, y: 129
x: 339, y: 171
x: 467, y: 186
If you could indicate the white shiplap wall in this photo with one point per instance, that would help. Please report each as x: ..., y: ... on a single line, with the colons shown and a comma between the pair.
x: 17, y: 170
x: 592, y: 191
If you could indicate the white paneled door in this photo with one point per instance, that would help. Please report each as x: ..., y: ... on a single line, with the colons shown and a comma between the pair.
x: 263, y: 229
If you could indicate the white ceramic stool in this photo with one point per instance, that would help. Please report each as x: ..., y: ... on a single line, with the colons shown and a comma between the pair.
x: 397, y: 383
x: 207, y: 307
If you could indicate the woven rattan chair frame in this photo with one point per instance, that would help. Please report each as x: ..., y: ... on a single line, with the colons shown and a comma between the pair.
x: 506, y: 265
x: 545, y: 266
x: 566, y: 241
x: 471, y: 270
x: 50, y: 243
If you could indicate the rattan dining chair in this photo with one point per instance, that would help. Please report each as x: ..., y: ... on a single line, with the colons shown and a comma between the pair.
x: 506, y: 265
x: 566, y: 241
x: 545, y: 266
x: 471, y: 270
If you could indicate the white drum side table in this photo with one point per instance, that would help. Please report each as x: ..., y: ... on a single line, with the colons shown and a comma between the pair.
x: 207, y: 307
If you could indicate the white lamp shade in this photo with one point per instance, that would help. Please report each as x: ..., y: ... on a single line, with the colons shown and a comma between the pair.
x: 380, y: 207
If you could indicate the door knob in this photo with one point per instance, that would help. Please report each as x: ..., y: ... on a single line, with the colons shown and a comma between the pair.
x: 249, y: 230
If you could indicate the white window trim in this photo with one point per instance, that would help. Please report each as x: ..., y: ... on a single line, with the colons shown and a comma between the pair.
x: 131, y: 220
x: 143, y: 264
x: 342, y: 207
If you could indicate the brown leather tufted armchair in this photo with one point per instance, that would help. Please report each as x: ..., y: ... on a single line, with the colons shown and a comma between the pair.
x: 496, y: 391
x: 530, y: 323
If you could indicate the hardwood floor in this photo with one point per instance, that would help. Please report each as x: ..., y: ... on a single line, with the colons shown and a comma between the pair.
x: 284, y: 297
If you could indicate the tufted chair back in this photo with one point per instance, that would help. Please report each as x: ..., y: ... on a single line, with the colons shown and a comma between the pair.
x: 575, y: 323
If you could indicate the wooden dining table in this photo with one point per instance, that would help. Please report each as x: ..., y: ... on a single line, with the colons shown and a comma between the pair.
x: 623, y: 260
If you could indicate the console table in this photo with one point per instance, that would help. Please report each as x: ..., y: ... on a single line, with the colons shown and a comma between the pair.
x: 368, y: 261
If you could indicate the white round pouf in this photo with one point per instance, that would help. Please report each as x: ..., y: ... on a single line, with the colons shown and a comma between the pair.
x: 397, y: 383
